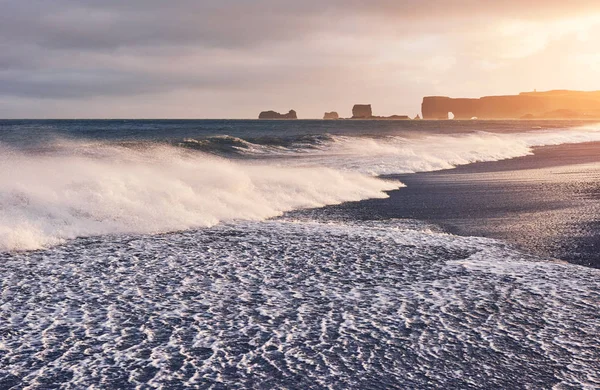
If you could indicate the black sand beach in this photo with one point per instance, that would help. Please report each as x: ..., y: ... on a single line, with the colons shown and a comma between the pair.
x: 547, y: 203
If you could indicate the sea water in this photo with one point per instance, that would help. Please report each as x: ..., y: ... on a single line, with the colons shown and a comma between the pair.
x: 162, y: 254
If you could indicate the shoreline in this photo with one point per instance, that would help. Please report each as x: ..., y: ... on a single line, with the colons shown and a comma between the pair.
x: 547, y: 203
x: 161, y: 119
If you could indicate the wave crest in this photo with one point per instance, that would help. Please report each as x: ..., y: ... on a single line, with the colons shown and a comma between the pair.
x: 69, y: 189
x: 401, y: 154
x: 49, y: 197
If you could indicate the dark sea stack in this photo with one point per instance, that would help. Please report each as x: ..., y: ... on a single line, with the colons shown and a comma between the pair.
x: 558, y: 104
x: 331, y: 115
x: 362, y: 111
x: 275, y: 115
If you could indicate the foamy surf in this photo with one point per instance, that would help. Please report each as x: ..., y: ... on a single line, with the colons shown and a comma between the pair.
x: 81, y: 190
x: 74, y: 188
x: 389, y: 155
x: 308, y: 300
x: 376, y: 305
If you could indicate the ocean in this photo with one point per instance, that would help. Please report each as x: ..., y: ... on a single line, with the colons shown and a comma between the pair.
x: 208, y: 254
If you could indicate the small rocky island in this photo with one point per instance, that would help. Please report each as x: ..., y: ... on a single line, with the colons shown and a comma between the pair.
x: 365, y: 111
x: 362, y: 111
x: 331, y: 115
x: 275, y: 115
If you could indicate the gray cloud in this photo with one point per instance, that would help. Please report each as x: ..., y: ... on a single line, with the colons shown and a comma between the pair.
x: 79, y: 49
x: 97, y: 24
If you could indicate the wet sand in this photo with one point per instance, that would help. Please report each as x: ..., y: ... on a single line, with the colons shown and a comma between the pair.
x: 547, y: 203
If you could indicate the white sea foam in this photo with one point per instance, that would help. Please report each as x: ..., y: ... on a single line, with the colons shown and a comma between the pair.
x: 395, y: 154
x: 82, y: 190
x: 74, y: 189
x: 297, y: 304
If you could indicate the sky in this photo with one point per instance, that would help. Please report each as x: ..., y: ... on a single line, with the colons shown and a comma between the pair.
x: 235, y: 58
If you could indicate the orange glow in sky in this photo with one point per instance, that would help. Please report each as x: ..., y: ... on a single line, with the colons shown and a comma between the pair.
x: 233, y: 59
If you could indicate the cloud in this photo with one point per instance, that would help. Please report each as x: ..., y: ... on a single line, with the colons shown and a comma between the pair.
x: 137, y: 49
x: 96, y: 24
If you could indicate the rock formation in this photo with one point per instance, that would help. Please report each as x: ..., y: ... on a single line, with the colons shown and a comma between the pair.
x: 530, y: 105
x: 362, y: 111
x: 393, y: 117
x: 275, y: 115
x: 331, y: 115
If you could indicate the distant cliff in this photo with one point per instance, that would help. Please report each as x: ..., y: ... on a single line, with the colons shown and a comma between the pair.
x: 530, y: 105
x: 275, y: 115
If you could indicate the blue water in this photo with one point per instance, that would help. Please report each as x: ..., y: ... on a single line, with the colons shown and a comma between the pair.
x: 176, y: 254
x: 28, y: 132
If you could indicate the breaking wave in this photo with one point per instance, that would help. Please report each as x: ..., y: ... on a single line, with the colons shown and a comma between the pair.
x: 70, y: 189
x: 400, y: 154
x: 294, y: 302
x: 79, y: 190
